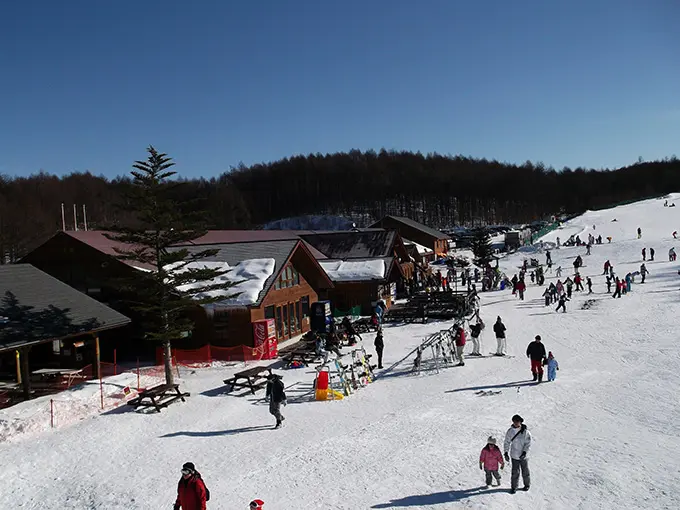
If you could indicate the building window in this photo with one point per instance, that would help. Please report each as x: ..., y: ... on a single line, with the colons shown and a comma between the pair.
x: 289, y: 277
x: 279, y: 322
x: 269, y: 312
x: 286, y: 323
x: 304, y: 303
x: 298, y: 317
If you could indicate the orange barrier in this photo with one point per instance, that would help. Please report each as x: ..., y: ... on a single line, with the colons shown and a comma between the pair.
x: 206, y: 355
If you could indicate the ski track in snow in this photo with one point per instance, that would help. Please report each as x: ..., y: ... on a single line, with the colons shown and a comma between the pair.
x: 606, y: 433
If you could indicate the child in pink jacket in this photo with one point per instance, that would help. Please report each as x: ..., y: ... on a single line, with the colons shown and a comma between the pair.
x: 490, y: 459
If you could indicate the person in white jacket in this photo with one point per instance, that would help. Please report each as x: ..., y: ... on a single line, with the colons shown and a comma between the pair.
x: 516, y: 447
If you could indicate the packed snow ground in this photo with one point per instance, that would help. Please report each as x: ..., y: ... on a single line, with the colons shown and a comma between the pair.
x: 606, y: 433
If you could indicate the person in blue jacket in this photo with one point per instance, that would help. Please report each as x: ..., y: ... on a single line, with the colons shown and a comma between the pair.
x: 553, y: 367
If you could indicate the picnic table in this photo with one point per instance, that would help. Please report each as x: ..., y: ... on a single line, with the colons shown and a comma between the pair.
x: 253, y: 378
x: 364, y: 325
x: 69, y: 374
x: 158, y: 397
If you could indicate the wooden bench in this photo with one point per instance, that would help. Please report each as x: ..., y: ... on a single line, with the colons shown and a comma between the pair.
x: 364, y: 325
x: 252, y: 378
x: 158, y: 397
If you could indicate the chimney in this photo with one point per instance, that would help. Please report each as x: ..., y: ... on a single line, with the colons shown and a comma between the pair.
x: 63, y: 218
x: 75, y: 218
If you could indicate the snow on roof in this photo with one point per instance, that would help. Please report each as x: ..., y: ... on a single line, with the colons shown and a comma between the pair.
x: 354, y: 270
x: 422, y: 250
x: 248, y: 278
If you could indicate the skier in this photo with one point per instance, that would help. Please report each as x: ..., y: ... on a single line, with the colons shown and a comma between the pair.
x: 499, y: 329
x: 191, y: 491
x: 516, y: 446
x: 671, y: 255
x: 644, y: 253
x: 607, y: 265
x: 548, y: 296
x: 521, y: 287
x: 617, y: 289
x: 558, y: 242
x: 536, y: 352
x: 475, y: 331
x: 562, y: 303
x: 548, y: 257
x: 553, y: 367
x: 639, y: 231
x: 589, y: 284
x: 277, y: 396
x: 578, y: 281
x: 558, y: 271
x: 379, y: 346
x: 675, y: 234
x: 609, y: 284
x: 460, y: 346
x: 643, y: 272
x: 570, y: 285
x: 489, y: 460
x: 651, y: 254
x: 256, y: 504
x: 588, y: 246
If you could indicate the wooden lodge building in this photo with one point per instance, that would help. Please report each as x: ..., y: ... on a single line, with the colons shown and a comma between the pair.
x: 421, y: 234
x: 48, y: 325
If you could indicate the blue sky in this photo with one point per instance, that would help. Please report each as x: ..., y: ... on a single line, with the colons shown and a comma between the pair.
x: 87, y: 85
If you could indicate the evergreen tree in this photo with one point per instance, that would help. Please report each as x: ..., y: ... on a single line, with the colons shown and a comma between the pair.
x: 481, y: 247
x: 174, y: 278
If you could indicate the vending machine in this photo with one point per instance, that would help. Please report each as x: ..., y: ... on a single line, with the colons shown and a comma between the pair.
x: 264, y: 335
x: 321, y: 316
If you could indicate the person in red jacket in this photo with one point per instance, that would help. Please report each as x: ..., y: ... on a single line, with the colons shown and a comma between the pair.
x: 490, y: 460
x: 191, y: 492
x: 256, y: 504
x: 460, y: 345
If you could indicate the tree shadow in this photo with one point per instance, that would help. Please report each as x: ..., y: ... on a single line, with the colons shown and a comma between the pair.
x: 513, y: 384
x: 20, y: 324
x: 213, y: 433
x: 438, y: 498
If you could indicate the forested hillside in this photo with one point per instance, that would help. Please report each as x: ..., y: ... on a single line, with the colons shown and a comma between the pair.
x: 441, y: 191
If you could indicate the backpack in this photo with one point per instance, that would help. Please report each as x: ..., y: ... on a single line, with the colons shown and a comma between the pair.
x: 207, y: 491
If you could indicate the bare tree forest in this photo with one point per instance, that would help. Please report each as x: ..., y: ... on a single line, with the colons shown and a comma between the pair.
x: 441, y: 191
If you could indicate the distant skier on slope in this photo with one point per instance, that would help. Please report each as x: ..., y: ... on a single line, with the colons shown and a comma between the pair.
x: 516, y: 446
x: 562, y: 303
x: 651, y: 254
x: 589, y: 284
x: 639, y: 232
x: 499, y: 330
x: 643, y: 272
x: 671, y: 255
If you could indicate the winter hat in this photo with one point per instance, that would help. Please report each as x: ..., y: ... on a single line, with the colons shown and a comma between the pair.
x: 550, y: 354
x: 518, y: 418
x: 189, y: 466
x: 491, y: 440
x: 256, y: 504
x: 538, y: 337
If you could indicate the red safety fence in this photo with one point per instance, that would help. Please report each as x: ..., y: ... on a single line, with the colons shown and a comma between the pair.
x: 206, y: 355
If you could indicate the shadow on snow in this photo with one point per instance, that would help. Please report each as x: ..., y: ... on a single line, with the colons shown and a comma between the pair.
x: 214, y: 433
x: 437, y: 498
x: 513, y: 384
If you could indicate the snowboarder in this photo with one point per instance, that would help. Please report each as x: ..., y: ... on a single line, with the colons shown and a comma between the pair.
x: 490, y: 460
x: 644, y: 253
x: 191, y: 491
x: 536, y: 352
x: 379, y: 346
x: 516, y: 446
x: 589, y: 284
x: 553, y: 367
x: 277, y: 396
x: 475, y: 332
x: 499, y: 330
x: 651, y: 254
x: 562, y: 303
x: 256, y: 504
x: 643, y: 273
x: 460, y: 346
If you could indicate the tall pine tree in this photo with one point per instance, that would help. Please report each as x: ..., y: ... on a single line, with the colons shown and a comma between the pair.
x: 174, y: 278
x: 481, y: 247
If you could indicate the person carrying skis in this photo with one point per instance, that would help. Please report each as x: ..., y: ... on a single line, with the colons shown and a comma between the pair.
x: 475, y: 332
x: 379, y: 344
x: 536, y: 353
x: 191, y: 491
x: 277, y: 396
x: 562, y: 303
x: 490, y: 460
x: 553, y: 367
x: 589, y: 284
x: 516, y: 446
x: 643, y: 273
x: 499, y: 330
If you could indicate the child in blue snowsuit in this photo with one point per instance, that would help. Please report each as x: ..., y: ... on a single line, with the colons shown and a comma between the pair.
x: 553, y: 367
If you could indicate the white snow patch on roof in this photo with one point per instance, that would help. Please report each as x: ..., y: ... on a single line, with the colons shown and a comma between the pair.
x: 353, y: 270
x: 248, y: 278
x: 422, y: 250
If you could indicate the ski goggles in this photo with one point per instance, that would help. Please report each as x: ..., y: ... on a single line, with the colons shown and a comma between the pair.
x: 186, y: 472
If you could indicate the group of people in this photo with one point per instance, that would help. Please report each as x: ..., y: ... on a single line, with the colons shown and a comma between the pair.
x: 516, y: 448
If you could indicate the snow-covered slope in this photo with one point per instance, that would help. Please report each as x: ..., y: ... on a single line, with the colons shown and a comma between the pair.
x: 606, y: 433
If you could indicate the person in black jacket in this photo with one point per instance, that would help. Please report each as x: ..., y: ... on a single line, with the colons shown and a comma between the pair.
x: 379, y: 346
x: 277, y: 396
x: 536, y: 352
x: 499, y: 329
x: 475, y: 332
